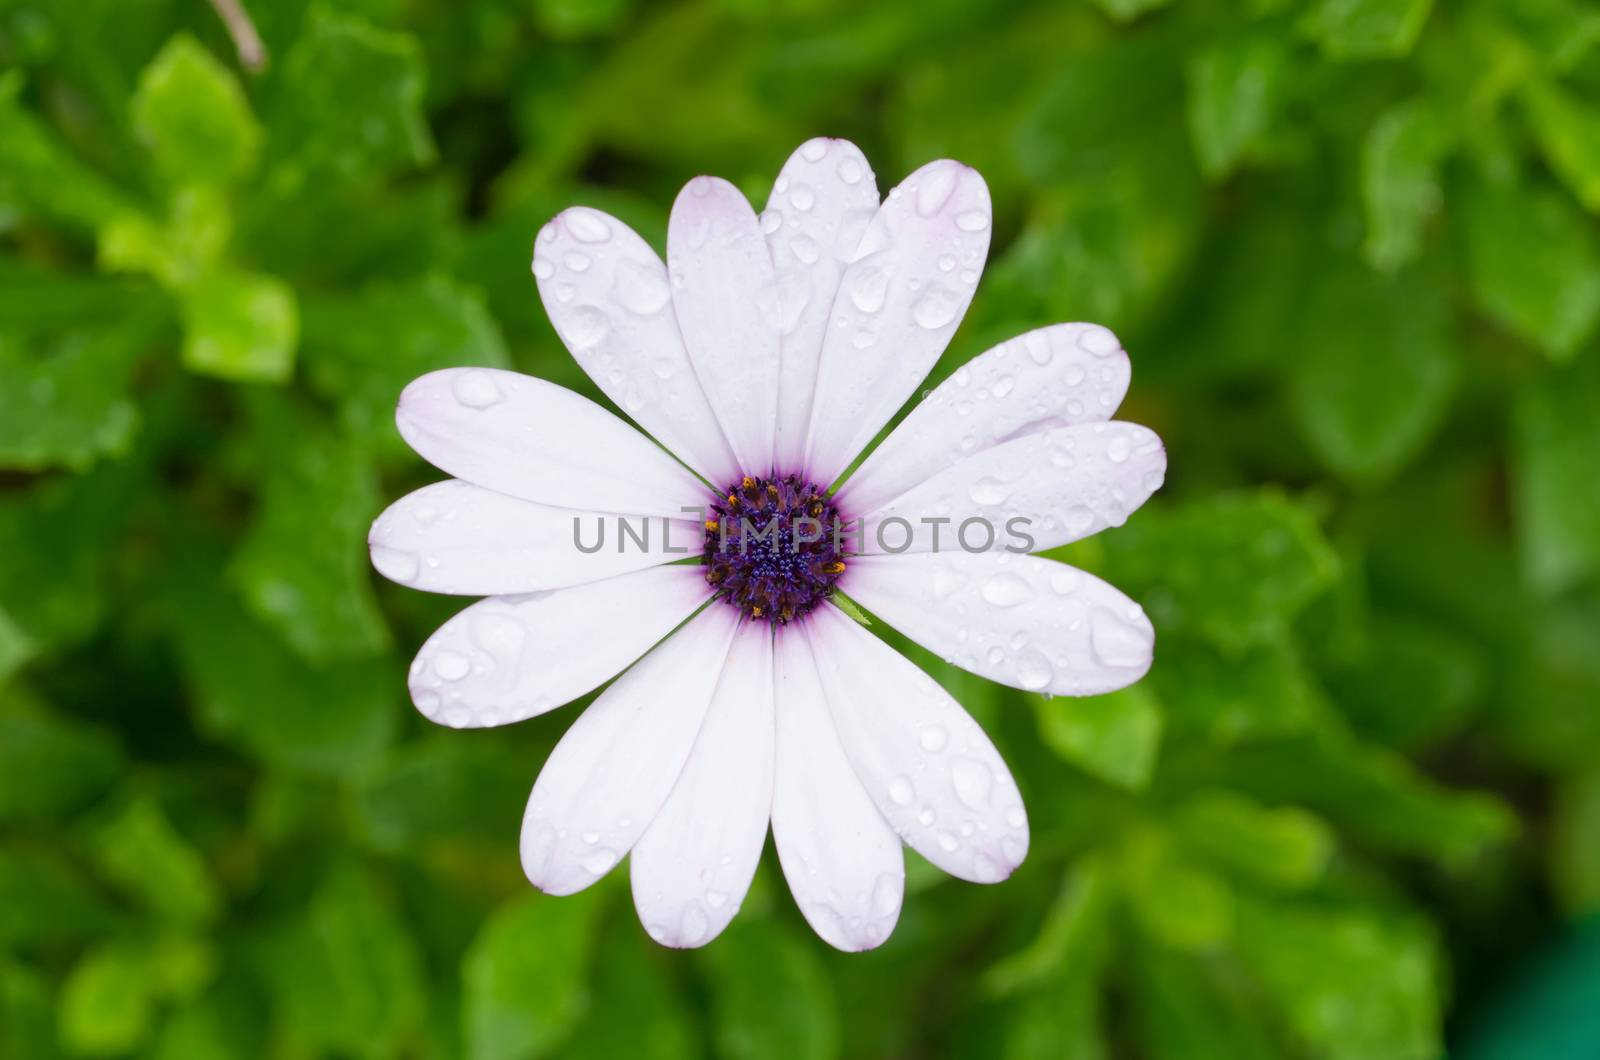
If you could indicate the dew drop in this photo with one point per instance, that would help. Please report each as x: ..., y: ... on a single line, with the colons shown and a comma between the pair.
x: 1007, y: 590
x: 576, y: 261
x: 948, y: 842
x: 586, y: 225
x: 936, y: 308
x: 585, y: 326
x: 1034, y: 671
x: 886, y: 892
x: 395, y: 564
x: 716, y: 899
x: 451, y: 665
x: 990, y: 490
x: 805, y: 248
x: 813, y: 150
x: 1098, y: 341
x: 850, y: 171
x: 1117, y: 643
x: 973, y: 781
x: 802, y: 197
x: 542, y: 269
x: 641, y: 289
x: 476, y: 389
x: 599, y: 861
x: 901, y: 793
x: 972, y: 220
x: 935, y: 190
x: 869, y: 286
x: 933, y: 738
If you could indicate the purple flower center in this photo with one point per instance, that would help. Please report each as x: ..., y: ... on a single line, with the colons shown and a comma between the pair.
x: 774, y: 547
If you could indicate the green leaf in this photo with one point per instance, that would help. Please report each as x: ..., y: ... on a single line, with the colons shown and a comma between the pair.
x: 1283, y: 848
x: 1373, y: 372
x: 16, y: 648
x: 1413, y: 682
x: 1128, y: 10
x: 1234, y: 568
x: 1568, y: 131
x: 350, y: 105
x: 1534, y: 265
x: 27, y: 1017
x: 44, y: 900
x: 770, y: 995
x: 192, y: 114
x: 1235, y: 91
x: 362, y: 350
x: 40, y: 174
x: 439, y: 790
x: 1376, y: 795
x: 344, y: 972
x: 1575, y: 844
x: 638, y: 1009
x: 1555, y: 434
x: 525, y: 977
x: 106, y: 1007
x: 302, y: 566
x: 1113, y: 737
x: 1369, y: 29
x: 143, y: 855
x: 66, y: 402
x: 1075, y: 932
x: 1352, y: 982
x: 1193, y: 1007
x: 50, y: 765
x: 1400, y: 187
x: 253, y: 691
x: 1229, y: 699
x: 1176, y: 902
x: 239, y: 326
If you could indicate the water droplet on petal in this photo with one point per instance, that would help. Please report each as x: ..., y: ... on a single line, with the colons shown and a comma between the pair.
x: 396, y: 565
x: 973, y: 781
x: 805, y: 248
x: 933, y: 738
x: 585, y: 326
x: 641, y: 288
x: 476, y: 389
x: 1098, y: 341
x: 586, y: 225
x: 869, y: 286
x: 813, y: 150
x: 972, y: 220
x: 901, y: 793
x: 1118, y: 643
x: 577, y: 262
x: 934, y: 190
x: 451, y: 665
x: 850, y: 171
x: 802, y: 197
x: 936, y: 308
x: 1034, y: 671
x: 542, y: 269
x: 1007, y: 590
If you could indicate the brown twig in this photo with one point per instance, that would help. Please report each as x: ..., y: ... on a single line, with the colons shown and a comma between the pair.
x: 252, y: 53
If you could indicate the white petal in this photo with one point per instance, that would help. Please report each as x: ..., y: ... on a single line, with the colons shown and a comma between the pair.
x: 820, y: 205
x: 454, y: 537
x: 693, y: 865
x: 899, y: 302
x: 1026, y: 495
x: 1057, y: 376
x: 1024, y: 621
x: 726, y: 301
x: 511, y: 657
x: 609, y: 775
x: 516, y: 434
x: 927, y: 765
x: 607, y: 295
x: 841, y: 858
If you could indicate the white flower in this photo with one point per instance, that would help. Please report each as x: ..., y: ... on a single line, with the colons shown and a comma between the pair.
x: 765, y: 355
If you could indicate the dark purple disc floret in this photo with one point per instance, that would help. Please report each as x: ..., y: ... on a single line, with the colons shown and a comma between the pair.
x: 774, y: 547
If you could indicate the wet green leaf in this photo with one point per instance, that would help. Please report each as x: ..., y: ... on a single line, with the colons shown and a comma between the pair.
x: 192, y: 115
x: 1114, y: 737
x: 526, y: 976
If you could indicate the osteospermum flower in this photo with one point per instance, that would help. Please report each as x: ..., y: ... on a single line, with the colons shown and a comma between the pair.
x: 763, y: 357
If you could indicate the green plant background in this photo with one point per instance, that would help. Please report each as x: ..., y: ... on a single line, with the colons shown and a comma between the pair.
x: 1352, y: 247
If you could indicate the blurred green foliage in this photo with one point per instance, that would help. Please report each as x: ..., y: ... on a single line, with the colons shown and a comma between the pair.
x: 1351, y: 243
